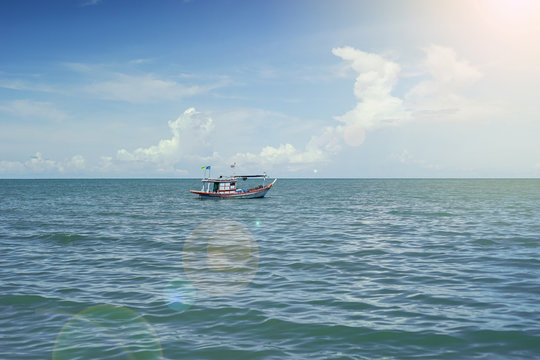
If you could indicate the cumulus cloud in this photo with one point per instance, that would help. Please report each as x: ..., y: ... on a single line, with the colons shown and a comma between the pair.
x: 77, y: 162
x: 440, y: 96
x: 285, y: 153
x: 318, y: 149
x: 194, y: 134
x: 376, y: 78
x: 451, y: 73
x: 189, y: 141
x: 376, y: 107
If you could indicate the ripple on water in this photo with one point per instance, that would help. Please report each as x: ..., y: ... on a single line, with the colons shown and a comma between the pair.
x: 436, y: 269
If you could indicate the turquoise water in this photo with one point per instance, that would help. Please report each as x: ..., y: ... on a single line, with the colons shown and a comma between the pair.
x: 319, y: 269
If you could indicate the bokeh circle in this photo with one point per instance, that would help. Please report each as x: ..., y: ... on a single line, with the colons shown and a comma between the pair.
x: 220, y: 257
x: 107, y: 332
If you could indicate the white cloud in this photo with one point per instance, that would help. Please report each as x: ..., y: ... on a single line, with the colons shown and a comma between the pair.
x: 440, y: 97
x: 329, y: 141
x: 318, y: 149
x: 376, y: 108
x: 77, y: 162
x: 189, y: 141
x: 448, y: 71
x: 374, y: 83
x: 37, y: 165
x: 284, y: 154
x: 33, y: 109
x: 193, y: 135
x: 11, y: 167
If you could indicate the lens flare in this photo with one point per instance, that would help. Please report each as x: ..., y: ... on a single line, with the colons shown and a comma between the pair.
x: 180, y: 295
x: 220, y: 257
x: 106, y: 329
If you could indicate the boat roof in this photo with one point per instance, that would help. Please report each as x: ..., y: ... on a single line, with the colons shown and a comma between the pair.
x: 234, y: 178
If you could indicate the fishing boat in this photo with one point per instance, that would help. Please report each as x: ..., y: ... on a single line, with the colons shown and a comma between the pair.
x: 226, y: 188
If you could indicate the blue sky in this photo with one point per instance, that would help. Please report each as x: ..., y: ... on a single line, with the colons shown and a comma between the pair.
x: 295, y: 88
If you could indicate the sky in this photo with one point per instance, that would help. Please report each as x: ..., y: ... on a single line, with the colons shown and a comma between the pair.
x: 305, y: 88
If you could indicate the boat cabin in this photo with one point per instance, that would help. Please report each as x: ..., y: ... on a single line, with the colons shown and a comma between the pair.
x: 223, y: 186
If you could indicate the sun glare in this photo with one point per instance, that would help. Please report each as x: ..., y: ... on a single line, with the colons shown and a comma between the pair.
x: 516, y: 13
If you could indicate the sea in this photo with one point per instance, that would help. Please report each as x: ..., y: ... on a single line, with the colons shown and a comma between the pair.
x: 318, y: 269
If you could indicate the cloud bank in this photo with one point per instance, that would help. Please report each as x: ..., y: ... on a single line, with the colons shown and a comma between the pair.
x: 38, y: 165
x: 438, y: 95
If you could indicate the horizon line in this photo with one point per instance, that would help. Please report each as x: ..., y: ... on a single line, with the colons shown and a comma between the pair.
x: 281, y: 178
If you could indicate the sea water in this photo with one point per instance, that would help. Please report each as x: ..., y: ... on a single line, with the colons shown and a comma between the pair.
x: 318, y: 269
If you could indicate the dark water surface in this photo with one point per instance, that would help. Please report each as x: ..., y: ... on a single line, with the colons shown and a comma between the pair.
x: 319, y: 269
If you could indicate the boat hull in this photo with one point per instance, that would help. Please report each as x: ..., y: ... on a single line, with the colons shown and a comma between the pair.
x: 253, y: 194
